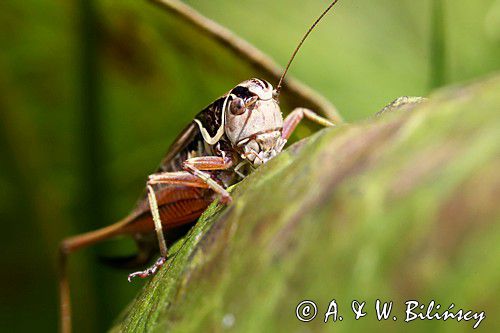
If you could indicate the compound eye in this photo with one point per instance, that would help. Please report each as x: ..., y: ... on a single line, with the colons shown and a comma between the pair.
x: 237, y: 106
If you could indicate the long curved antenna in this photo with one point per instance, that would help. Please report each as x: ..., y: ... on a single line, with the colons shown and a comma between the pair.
x: 278, y: 87
x: 299, y: 93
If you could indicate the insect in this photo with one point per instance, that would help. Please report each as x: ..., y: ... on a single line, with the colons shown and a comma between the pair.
x: 225, y: 142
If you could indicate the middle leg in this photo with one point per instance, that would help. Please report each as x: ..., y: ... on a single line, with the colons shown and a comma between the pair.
x: 193, y: 177
x: 172, y: 178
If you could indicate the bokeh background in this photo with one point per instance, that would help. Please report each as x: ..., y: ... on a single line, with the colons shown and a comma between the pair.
x: 92, y: 92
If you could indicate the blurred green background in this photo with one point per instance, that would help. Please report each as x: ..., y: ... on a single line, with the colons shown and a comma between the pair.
x: 93, y: 92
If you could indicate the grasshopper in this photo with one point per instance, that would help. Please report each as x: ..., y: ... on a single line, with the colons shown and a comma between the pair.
x: 226, y: 141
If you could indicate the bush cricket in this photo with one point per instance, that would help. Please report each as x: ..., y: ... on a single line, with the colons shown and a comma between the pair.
x: 228, y: 139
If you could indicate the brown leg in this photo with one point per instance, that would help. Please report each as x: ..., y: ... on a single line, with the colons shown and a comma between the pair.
x: 75, y: 243
x: 209, y: 163
x: 172, y: 178
x: 68, y: 246
x: 294, y: 118
x: 64, y: 295
x: 196, y: 178
x: 197, y: 165
x: 193, y: 178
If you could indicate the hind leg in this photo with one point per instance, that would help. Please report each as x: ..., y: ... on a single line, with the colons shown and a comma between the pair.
x: 296, y: 116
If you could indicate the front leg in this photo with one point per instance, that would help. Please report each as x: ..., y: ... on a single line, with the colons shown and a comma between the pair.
x: 294, y: 118
x: 196, y: 177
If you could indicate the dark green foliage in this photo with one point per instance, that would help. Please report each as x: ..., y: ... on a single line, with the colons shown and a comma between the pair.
x: 154, y: 73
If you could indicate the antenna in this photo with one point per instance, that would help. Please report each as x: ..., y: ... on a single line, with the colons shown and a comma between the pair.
x: 278, y: 87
